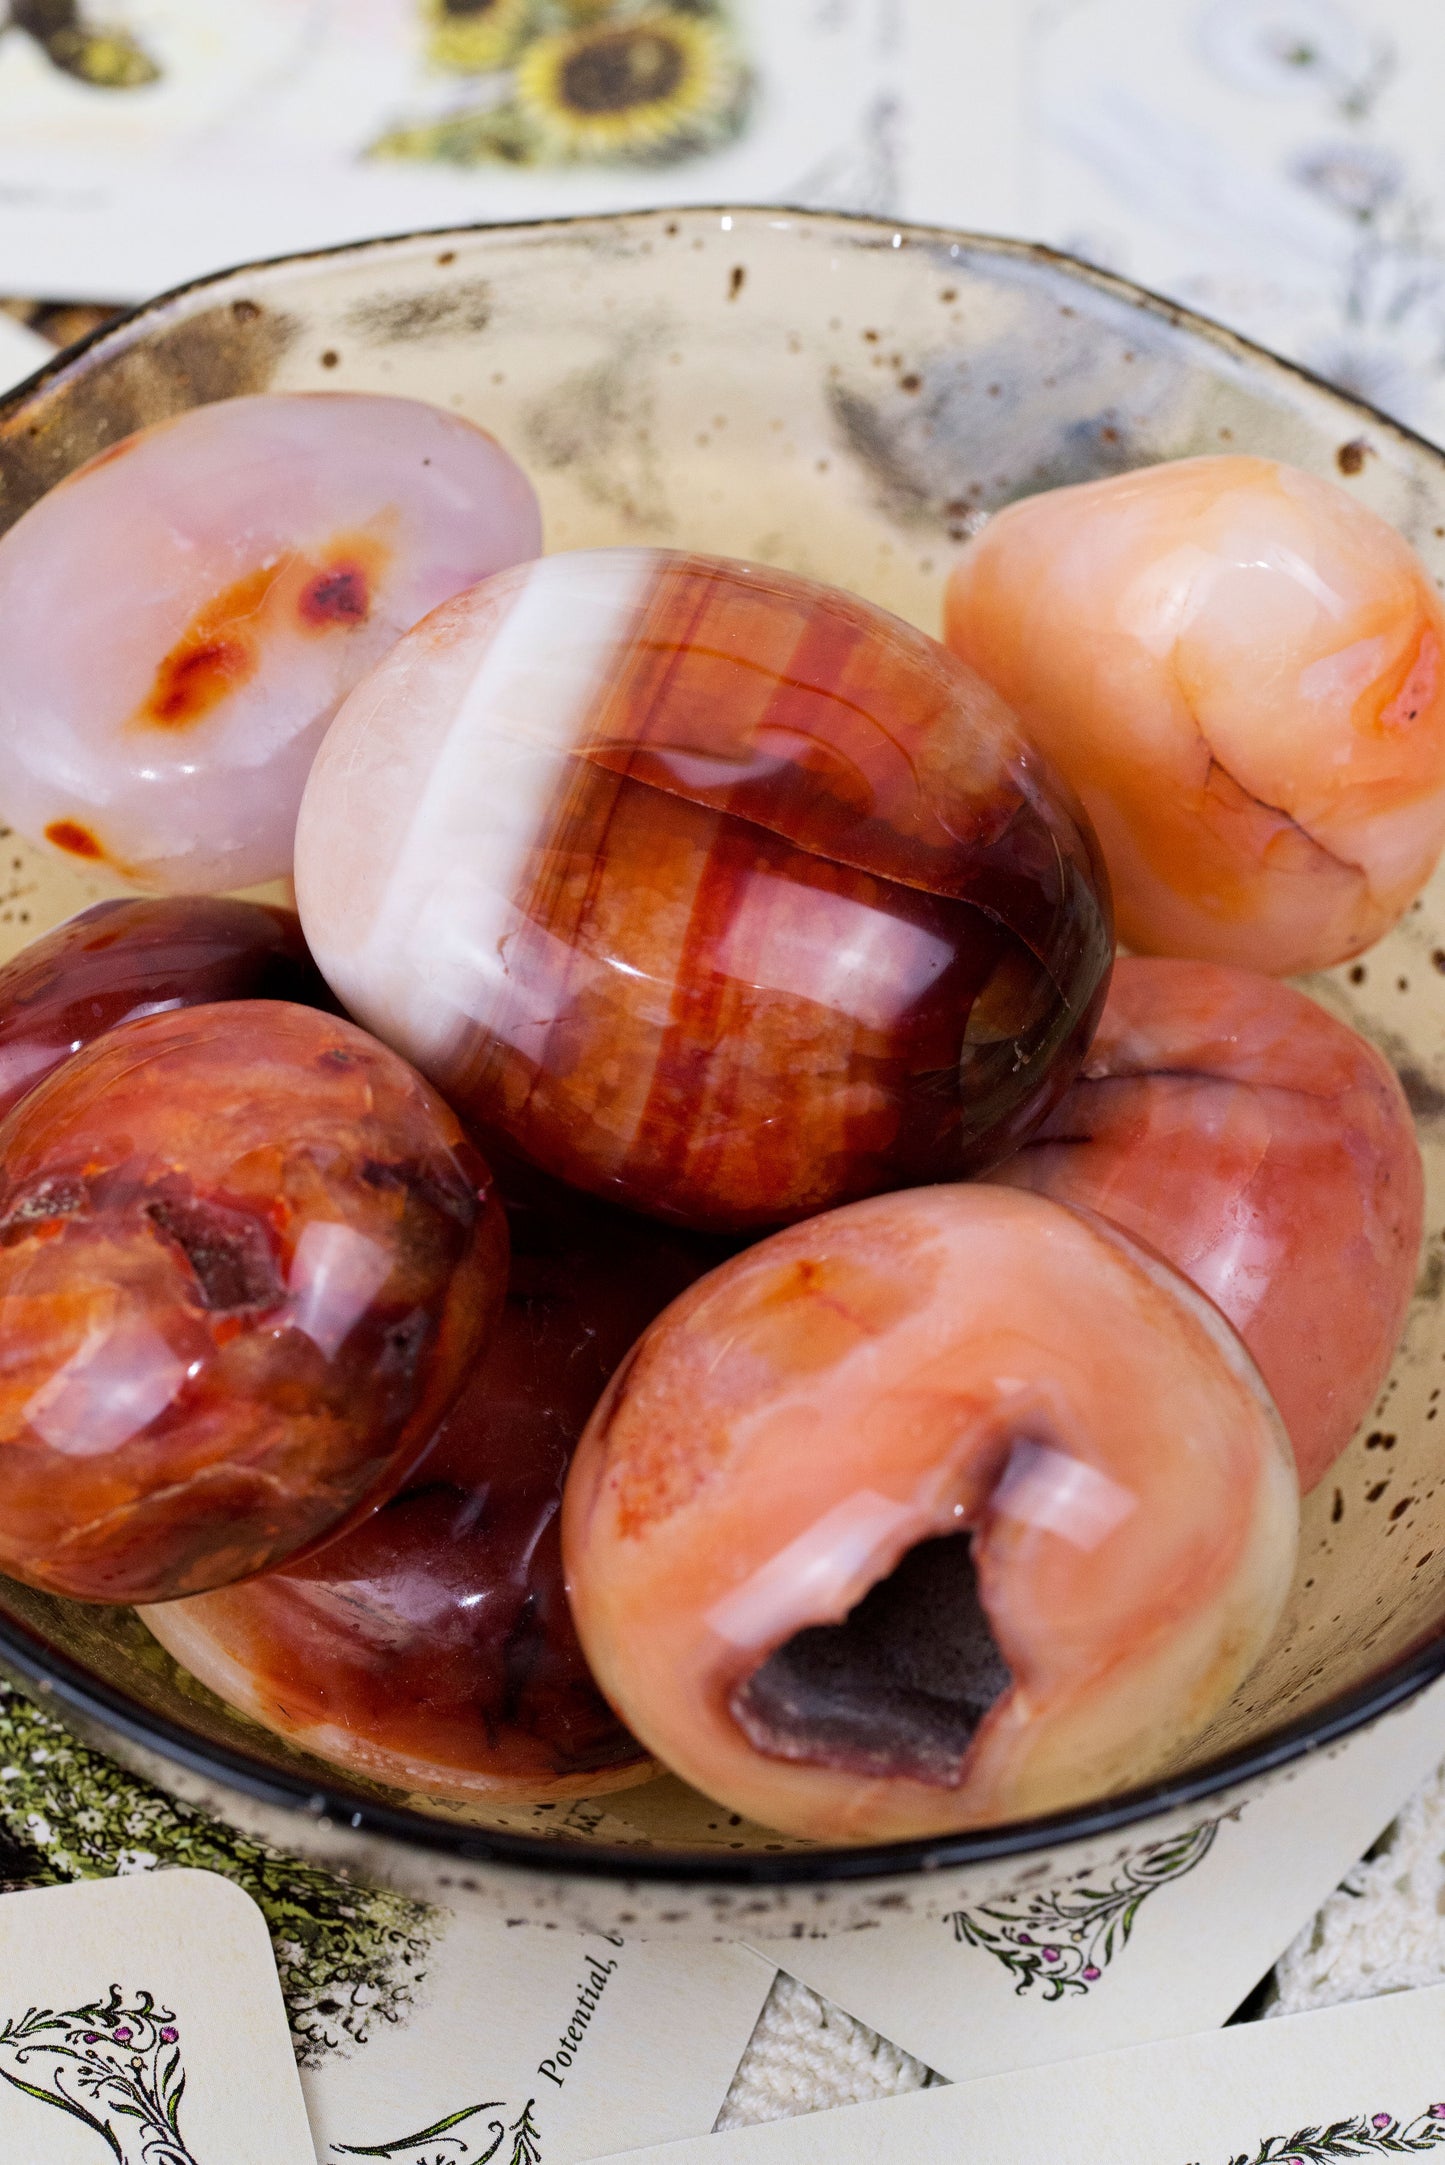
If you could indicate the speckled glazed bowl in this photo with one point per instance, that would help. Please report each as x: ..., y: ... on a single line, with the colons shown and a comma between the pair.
x: 846, y: 400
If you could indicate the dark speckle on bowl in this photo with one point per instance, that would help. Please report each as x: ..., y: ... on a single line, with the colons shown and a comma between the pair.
x: 450, y: 311
x: 216, y: 353
x: 598, y: 424
x: 1425, y: 1098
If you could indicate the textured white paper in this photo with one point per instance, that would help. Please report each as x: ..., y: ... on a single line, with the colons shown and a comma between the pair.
x: 141, y: 2023
x: 526, y: 2043
x: 1359, y: 2082
x: 257, y: 137
x: 1169, y: 1943
x: 22, y: 351
x: 1274, y: 163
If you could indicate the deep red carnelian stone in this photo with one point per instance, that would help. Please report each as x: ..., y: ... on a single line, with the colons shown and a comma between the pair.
x: 717, y: 892
x: 433, y: 1646
x: 142, y: 956
x: 246, y: 1256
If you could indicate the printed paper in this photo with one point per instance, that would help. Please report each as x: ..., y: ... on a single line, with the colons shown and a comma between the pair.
x: 542, y: 2047
x: 1168, y: 1942
x: 407, y: 2021
x: 1274, y: 163
x: 1365, y: 2081
x: 143, y: 142
x: 141, y: 2023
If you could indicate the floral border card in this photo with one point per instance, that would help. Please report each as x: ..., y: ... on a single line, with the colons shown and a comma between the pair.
x: 422, y: 2037
x: 141, y: 2023
x: 528, y: 2046
x: 1168, y: 1939
x: 1364, y: 2081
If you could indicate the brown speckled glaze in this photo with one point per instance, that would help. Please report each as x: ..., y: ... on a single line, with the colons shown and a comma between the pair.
x: 849, y: 409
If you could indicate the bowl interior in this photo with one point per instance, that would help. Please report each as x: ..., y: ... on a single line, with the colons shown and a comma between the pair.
x: 847, y: 401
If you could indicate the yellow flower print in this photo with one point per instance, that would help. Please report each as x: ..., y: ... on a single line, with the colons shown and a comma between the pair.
x: 470, y: 37
x: 635, y: 86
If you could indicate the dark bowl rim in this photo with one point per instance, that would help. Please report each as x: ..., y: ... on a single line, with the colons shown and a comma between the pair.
x: 52, y: 1676
x: 317, y: 1797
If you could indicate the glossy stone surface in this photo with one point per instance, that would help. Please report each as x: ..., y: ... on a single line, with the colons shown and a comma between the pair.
x: 144, y: 956
x: 246, y: 1257
x: 951, y: 1507
x: 182, y: 616
x: 433, y: 1647
x: 1266, y: 1151
x: 825, y: 498
x: 1241, y: 669
x: 717, y: 892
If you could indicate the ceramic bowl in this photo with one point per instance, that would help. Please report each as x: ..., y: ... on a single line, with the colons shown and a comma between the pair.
x: 848, y: 400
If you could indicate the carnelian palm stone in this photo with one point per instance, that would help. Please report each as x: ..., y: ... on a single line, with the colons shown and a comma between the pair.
x: 433, y: 1646
x: 143, y: 955
x: 246, y: 1257
x: 182, y: 615
x: 717, y: 892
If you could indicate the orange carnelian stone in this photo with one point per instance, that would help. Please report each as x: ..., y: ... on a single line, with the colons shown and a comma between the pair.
x: 1267, y: 1152
x: 1241, y: 669
x: 720, y: 893
x: 433, y: 1647
x: 952, y: 1507
x: 245, y: 1259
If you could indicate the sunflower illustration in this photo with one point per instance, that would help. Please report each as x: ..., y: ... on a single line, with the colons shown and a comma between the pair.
x: 646, y: 85
x: 470, y: 37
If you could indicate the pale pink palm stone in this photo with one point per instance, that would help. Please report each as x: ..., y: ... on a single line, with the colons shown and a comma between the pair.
x: 181, y: 617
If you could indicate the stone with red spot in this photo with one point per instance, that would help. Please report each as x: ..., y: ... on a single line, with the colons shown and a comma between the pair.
x: 180, y: 623
x: 341, y: 594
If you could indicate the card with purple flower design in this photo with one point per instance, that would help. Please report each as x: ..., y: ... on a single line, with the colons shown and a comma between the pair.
x: 1167, y: 1937
x: 1364, y: 2081
x: 141, y: 2023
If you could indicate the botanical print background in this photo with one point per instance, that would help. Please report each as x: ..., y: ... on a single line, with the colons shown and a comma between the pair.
x: 560, y: 79
x: 144, y: 141
x: 1276, y: 163
x: 1279, y: 164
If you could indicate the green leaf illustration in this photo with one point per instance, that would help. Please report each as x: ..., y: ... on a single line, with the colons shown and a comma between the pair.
x: 1062, y: 1939
x: 350, y: 1956
x: 425, y: 2134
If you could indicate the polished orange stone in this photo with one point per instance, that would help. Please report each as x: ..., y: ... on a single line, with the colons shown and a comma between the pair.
x: 1241, y: 669
x: 246, y: 1257
x: 141, y: 956
x: 1268, y: 1152
x: 718, y: 892
x: 949, y: 1508
x: 433, y: 1647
